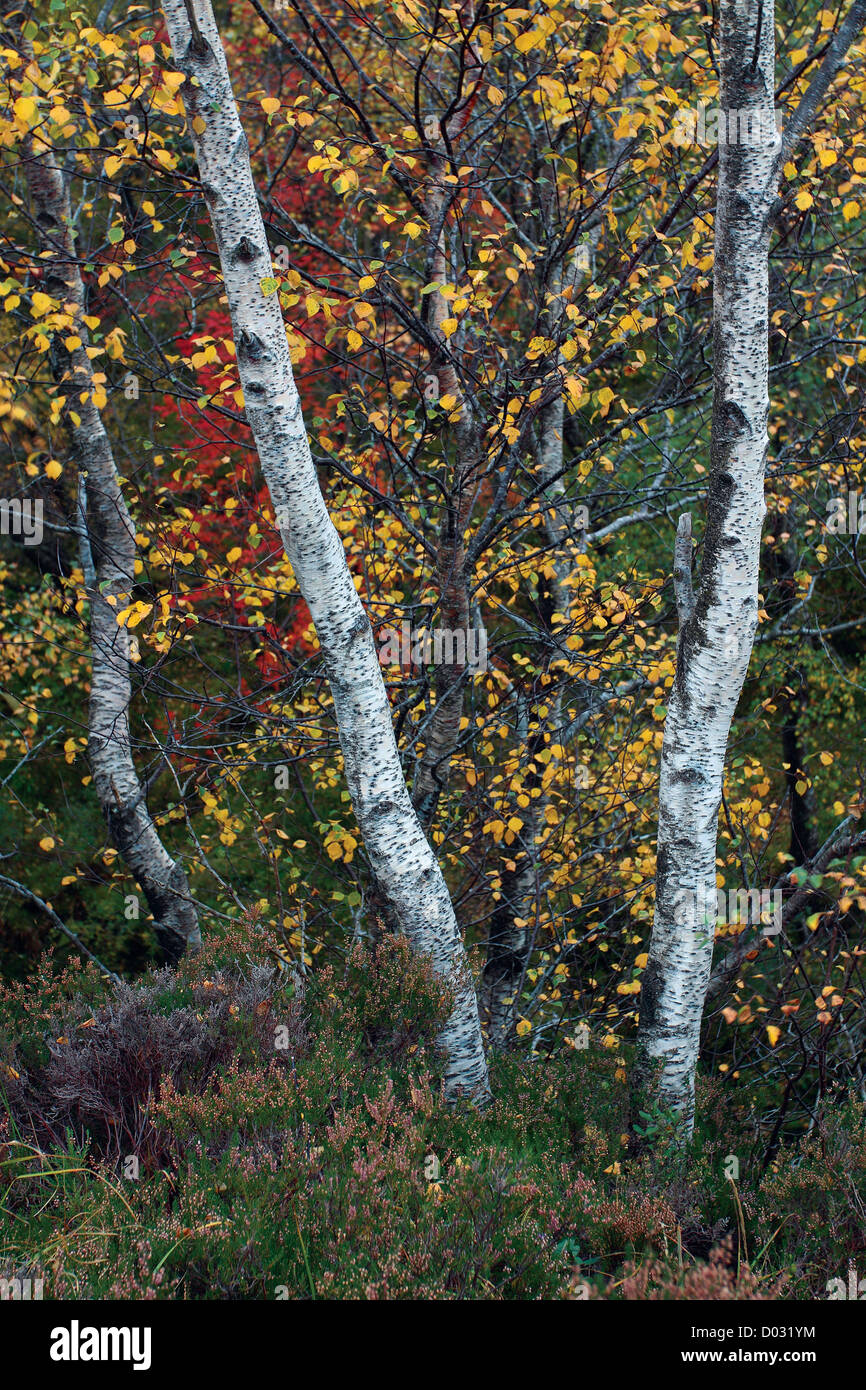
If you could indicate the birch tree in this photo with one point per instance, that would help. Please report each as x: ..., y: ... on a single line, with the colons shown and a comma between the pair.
x: 107, y: 553
x: 453, y: 579
x: 718, y: 618
x: 407, y: 874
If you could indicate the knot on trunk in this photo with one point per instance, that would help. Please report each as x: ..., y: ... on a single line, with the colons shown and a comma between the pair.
x: 245, y: 250
x: 251, y: 349
x: 199, y: 48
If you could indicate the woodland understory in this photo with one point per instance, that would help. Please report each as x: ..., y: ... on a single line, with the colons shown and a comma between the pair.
x: 432, y: 791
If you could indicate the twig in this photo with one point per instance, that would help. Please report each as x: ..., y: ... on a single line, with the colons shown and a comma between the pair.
x: 61, y: 926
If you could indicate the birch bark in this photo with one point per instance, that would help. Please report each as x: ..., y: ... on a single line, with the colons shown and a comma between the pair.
x: 107, y: 546
x: 406, y: 871
x: 717, y: 624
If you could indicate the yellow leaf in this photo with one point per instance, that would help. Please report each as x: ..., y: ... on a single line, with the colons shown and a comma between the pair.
x: 25, y: 109
x: 46, y: 843
x: 495, y: 96
x: 773, y: 1033
x: 851, y: 210
x: 574, y: 387
x: 270, y: 105
x: 605, y: 397
x: 804, y: 199
x: 139, y: 612
x: 449, y: 327
x: 234, y: 555
x: 412, y: 230
x: 40, y: 303
x: 53, y: 469
x: 523, y: 1027
x: 524, y: 42
x: 354, y: 340
x: 366, y: 282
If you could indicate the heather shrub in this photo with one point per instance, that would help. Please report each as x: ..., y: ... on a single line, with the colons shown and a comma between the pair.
x: 234, y: 1130
x: 715, y: 1280
x: 812, y: 1204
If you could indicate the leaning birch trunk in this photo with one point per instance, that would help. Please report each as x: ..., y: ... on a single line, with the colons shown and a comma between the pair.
x: 406, y: 871
x: 108, y: 551
x: 717, y: 624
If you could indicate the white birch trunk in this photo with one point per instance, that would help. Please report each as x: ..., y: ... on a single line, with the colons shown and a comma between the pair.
x: 406, y: 871
x: 108, y: 560
x: 717, y: 625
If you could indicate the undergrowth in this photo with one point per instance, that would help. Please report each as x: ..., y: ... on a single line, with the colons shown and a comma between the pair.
x: 228, y: 1131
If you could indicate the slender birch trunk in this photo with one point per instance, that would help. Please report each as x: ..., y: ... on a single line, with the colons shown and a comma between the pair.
x: 717, y: 624
x: 406, y: 871
x: 107, y: 544
x: 453, y: 580
x: 509, y: 939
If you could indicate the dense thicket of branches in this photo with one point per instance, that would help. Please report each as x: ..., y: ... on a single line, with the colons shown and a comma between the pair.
x: 550, y: 277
